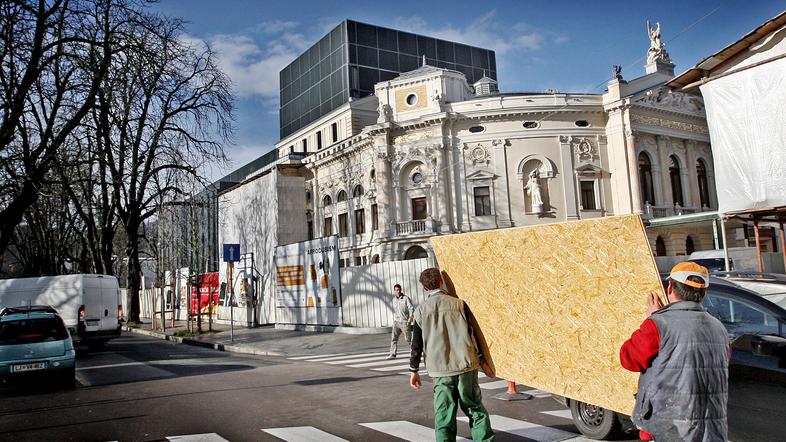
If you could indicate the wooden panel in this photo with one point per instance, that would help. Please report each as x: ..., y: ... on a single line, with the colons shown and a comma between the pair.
x: 555, y: 302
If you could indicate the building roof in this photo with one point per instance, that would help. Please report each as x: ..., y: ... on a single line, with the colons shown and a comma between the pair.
x: 688, y: 79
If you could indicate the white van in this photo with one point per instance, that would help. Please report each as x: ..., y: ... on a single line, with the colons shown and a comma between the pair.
x: 89, y: 304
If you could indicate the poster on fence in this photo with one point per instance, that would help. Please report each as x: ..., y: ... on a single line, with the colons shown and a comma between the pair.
x: 204, y: 287
x: 307, y: 274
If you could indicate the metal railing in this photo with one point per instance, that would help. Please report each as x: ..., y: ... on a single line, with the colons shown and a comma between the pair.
x: 651, y: 211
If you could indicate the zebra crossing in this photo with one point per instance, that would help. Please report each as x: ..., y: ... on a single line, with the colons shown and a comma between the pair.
x: 410, y: 431
x: 406, y: 430
x: 378, y: 362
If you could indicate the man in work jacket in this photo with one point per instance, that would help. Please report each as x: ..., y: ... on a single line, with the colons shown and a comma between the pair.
x: 402, y: 320
x: 443, y: 330
x: 682, y: 353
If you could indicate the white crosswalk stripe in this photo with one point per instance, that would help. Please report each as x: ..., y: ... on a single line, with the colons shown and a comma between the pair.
x: 393, y: 368
x: 406, y: 430
x: 206, y: 437
x: 526, y: 429
x: 493, y: 385
x: 302, y: 358
x: 565, y: 414
x: 343, y: 357
x: 303, y: 434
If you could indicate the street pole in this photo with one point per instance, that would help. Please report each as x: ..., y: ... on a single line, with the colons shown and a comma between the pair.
x: 230, y: 265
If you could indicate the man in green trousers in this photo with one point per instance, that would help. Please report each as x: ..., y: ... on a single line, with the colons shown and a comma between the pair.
x: 442, y: 329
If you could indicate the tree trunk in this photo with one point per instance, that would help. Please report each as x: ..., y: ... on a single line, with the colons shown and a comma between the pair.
x: 134, y: 275
x: 14, y: 212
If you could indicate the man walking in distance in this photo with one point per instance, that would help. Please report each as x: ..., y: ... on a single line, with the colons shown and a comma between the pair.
x: 402, y: 320
x: 442, y: 329
x: 682, y: 353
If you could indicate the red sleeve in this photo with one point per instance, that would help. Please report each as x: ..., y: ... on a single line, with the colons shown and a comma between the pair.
x: 637, y: 353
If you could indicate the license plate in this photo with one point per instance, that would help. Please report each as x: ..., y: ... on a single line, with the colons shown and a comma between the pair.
x: 92, y: 322
x: 28, y: 367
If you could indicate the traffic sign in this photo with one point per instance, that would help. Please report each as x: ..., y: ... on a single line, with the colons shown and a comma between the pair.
x: 231, y: 252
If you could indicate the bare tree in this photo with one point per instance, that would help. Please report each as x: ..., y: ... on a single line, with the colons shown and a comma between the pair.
x: 165, y: 110
x: 53, y: 58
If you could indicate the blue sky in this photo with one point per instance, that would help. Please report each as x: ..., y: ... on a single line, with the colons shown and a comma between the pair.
x: 564, y: 45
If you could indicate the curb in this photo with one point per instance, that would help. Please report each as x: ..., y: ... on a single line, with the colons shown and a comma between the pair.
x: 205, y: 344
x: 335, y: 329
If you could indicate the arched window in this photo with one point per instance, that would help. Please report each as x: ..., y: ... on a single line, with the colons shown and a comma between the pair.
x: 660, y: 246
x: 415, y: 252
x: 326, y: 201
x: 342, y: 196
x: 676, y: 181
x: 357, y: 191
x: 375, y: 259
x: 689, y: 247
x: 645, y: 179
x: 704, y: 189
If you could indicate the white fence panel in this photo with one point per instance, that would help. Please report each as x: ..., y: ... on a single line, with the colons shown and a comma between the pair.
x: 367, y: 291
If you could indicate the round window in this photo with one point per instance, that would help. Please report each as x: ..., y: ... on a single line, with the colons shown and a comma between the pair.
x: 476, y: 129
x: 417, y: 178
x: 412, y: 99
x: 582, y: 123
x: 530, y: 124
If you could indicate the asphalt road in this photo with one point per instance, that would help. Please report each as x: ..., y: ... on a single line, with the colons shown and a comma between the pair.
x: 144, y: 389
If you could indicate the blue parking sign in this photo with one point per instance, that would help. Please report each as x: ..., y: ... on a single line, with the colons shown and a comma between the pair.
x: 231, y: 252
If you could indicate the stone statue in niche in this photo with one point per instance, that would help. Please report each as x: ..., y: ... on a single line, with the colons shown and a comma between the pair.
x: 384, y: 112
x: 534, y: 191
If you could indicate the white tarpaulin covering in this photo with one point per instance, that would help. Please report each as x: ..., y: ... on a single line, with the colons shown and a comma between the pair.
x: 746, y: 114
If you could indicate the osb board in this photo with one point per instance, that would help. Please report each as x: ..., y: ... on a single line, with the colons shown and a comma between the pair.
x: 555, y: 302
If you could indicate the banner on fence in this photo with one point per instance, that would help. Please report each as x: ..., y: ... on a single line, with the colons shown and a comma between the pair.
x: 206, y: 286
x: 307, y: 274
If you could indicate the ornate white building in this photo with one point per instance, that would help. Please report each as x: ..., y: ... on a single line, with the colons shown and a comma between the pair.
x: 430, y: 154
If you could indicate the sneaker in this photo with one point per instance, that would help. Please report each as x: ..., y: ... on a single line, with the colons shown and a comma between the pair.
x: 390, y: 357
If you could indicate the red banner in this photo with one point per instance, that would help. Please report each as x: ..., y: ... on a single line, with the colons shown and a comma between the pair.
x: 208, y: 286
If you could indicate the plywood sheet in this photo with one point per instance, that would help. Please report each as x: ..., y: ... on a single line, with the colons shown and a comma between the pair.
x: 555, y: 302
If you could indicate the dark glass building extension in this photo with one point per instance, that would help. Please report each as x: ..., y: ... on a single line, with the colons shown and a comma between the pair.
x: 351, y: 58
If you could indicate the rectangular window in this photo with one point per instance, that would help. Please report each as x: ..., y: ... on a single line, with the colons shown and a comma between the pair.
x: 358, y: 261
x: 310, y: 227
x: 482, y: 201
x: 305, y: 145
x: 360, y: 221
x: 343, y: 225
x: 419, y: 210
x: 319, y: 140
x: 588, y: 195
x: 328, y: 229
x: 334, y: 131
x: 374, y: 217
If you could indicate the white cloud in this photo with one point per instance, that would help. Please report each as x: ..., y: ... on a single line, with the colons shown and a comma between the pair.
x: 485, y: 31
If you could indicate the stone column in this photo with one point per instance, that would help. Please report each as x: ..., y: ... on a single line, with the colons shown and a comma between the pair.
x: 569, y: 181
x: 383, y: 178
x: 665, y: 162
x: 633, y: 172
x: 502, y: 186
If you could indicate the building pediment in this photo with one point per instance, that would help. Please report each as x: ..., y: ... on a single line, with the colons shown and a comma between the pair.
x: 481, y: 175
x: 665, y: 99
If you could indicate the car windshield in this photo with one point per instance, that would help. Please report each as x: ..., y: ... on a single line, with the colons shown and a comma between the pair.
x: 32, y: 330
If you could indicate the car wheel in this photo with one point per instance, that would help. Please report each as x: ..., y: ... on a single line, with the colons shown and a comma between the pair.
x: 595, y: 422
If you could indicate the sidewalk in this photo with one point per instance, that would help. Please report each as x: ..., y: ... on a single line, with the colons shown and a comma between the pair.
x: 270, y: 341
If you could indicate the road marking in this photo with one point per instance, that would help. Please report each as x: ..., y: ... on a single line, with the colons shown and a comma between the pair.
x: 538, y: 393
x: 395, y: 367
x: 335, y: 358
x: 405, y: 430
x: 302, y: 358
x: 383, y: 360
x: 206, y: 437
x: 526, y: 429
x: 421, y: 372
x: 376, y: 364
x: 122, y: 364
x: 493, y: 385
x: 302, y: 434
x: 565, y: 414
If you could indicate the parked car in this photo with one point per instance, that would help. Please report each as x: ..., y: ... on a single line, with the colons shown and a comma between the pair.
x: 34, y: 341
x: 772, y: 286
x: 757, y: 370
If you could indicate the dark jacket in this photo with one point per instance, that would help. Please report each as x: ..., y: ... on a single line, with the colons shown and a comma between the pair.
x: 683, y: 395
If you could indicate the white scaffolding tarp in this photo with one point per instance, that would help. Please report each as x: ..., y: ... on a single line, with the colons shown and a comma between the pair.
x: 746, y: 114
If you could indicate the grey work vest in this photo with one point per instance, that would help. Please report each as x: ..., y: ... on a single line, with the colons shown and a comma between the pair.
x: 682, y: 397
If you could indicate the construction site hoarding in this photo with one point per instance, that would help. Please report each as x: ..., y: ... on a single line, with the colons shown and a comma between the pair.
x: 307, y: 274
x: 555, y: 302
